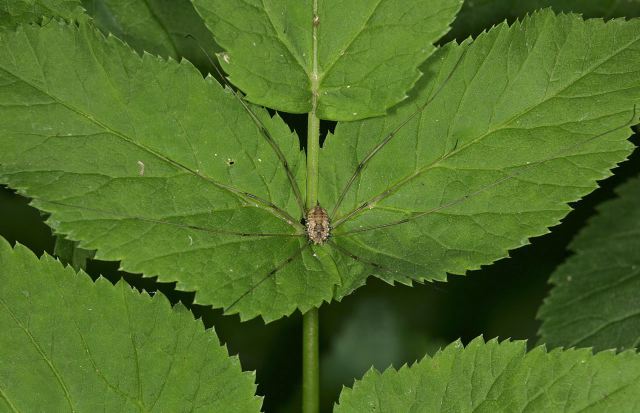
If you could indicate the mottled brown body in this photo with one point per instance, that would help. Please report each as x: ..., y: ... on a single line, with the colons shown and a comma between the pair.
x: 318, y: 225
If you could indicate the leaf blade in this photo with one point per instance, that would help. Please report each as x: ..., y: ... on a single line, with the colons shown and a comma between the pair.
x: 482, y: 169
x: 89, y: 346
x: 496, y: 376
x: 32, y: 11
x: 476, y: 16
x: 137, y: 164
x: 161, y: 27
x: 362, y: 68
x: 594, y: 299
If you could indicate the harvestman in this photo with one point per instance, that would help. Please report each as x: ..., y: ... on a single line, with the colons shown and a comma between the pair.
x: 318, y: 223
x: 317, y: 220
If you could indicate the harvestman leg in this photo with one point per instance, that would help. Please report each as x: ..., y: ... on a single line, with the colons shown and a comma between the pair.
x: 174, y: 224
x: 508, y: 177
x: 262, y: 129
x: 273, y: 272
x: 376, y: 149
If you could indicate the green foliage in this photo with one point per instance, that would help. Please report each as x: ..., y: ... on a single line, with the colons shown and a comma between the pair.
x: 151, y: 175
x: 478, y: 146
x: 498, y: 377
x: 594, y: 302
x: 14, y: 12
x: 161, y: 169
x: 169, y: 28
x: 360, y: 59
x: 68, y: 252
x: 478, y: 15
x: 510, y: 129
x: 105, y: 348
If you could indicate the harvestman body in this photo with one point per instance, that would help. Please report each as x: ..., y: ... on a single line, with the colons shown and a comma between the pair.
x: 318, y: 225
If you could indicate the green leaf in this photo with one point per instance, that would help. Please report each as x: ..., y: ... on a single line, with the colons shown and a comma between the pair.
x: 68, y: 344
x: 68, y: 252
x: 478, y: 15
x: 169, y: 28
x: 502, y: 377
x: 506, y: 131
x: 594, y: 301
x: 149, y: 163
x: 14, y: 12
x: 364, y: 61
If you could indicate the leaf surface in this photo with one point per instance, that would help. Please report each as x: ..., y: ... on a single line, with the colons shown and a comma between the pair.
x: 169, y: 28
x: 14, y: 12
x: 594, y: 301
x: 506, y: 131
x: 150, y: 164
x: 478, y: 15
x: 502, y: 377
x: 69, y: 254
x: 363, y: 60
x: 69, y: 344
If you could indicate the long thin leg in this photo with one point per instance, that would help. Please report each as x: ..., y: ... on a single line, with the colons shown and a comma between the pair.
x: 391, y: 135
x: 269, y: 274
x: 375, y: 265
x: 472, y: 194
x: 262, y: 129
x: 351, y: 255
x: 174, y: 224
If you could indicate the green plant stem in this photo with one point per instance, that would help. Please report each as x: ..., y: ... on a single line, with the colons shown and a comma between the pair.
x: 313, y: 149
x: 313, y: 123
x: 310, y: 323
x: 310, y: 362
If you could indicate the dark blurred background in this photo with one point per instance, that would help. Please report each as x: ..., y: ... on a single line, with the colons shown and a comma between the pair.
x: 380, y: 325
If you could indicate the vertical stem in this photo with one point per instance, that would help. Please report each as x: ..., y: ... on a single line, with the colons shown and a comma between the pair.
x: 310, y: 322
x: 310, y: 363
x: 313, y: 149
x: 313, y: 123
